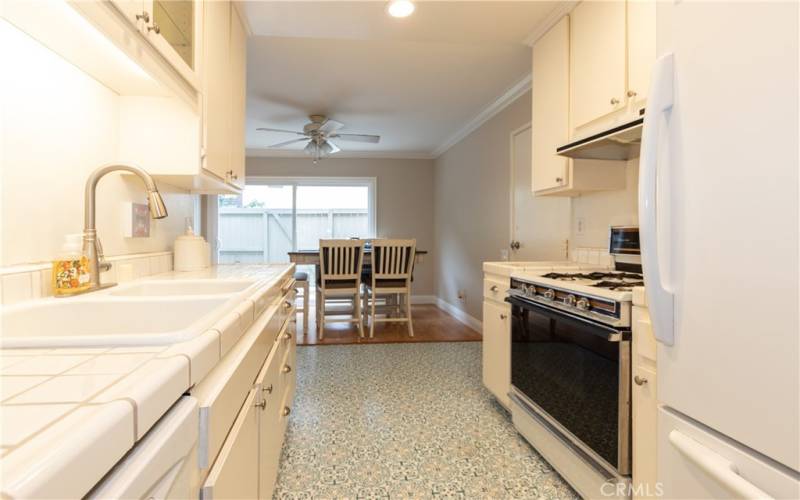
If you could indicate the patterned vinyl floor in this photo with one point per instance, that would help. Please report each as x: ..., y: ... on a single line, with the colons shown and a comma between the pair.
x: 404, y: 421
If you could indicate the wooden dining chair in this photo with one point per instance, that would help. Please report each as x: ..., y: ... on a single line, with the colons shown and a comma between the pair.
x: 392, y: 268
x: 340, y: 264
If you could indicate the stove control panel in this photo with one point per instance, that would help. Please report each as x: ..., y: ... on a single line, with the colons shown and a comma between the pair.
x: 597, y: 308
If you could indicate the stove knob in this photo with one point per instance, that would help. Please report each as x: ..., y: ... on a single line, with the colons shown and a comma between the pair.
x: 570, y: 300
x: 531, y: 291
x: 583, y: 304
x: 549, y: 294
x: 523, y: 289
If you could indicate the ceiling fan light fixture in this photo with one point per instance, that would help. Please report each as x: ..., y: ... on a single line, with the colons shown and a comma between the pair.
x: 400, y: 8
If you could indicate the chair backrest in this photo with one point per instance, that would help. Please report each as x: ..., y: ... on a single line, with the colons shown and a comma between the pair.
x: 340, y: 260
x: 393, y: 259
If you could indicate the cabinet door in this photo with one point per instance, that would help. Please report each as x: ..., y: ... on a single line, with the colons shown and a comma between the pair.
x: 238, y: 89
x: 550, y: 112
x: 597, y: 45
x: 497, y: 350
x: 645, y: 437
x: 235, y: 472
x: 174, y: 31
x: 641, y: 48
x: 216, y: 88
x: 130, y: 9
x: 269, y: 436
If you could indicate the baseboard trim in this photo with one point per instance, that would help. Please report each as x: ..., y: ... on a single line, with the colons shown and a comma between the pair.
x: 460, y: 315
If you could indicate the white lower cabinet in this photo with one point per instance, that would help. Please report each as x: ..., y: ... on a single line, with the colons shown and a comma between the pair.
x: 496, y: 357
x: 235, y: 472
x: 644, y: 402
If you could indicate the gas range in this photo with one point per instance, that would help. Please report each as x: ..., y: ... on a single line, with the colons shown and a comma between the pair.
x: 603, y: 296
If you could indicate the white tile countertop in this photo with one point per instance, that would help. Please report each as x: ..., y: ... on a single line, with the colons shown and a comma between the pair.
x: 67, y: 415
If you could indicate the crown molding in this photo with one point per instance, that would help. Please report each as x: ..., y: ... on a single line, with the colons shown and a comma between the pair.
x: 499, y: 104
x: 296, y: 153
x: 562, y: 9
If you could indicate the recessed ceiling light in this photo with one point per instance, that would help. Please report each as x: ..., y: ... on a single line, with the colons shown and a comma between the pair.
x: 400, y: 8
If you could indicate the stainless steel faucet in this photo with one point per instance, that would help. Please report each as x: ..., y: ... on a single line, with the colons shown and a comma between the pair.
x: 91, y: 243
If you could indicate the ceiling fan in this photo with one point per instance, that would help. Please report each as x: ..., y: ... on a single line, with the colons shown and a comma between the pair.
x: 320, y: 133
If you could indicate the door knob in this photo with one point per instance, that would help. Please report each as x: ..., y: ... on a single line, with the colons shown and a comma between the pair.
x: 639, y: 380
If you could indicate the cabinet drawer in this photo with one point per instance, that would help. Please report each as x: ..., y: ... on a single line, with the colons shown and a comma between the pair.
x: 235, y: 471
x: 222, y: 391
x: 287, y: 368
x: 495, y: 288
x: 286, y: 406
x: 270, y: 435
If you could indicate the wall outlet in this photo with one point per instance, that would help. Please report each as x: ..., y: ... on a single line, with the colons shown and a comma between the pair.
x: 462, y: 295
x: 580, y: 225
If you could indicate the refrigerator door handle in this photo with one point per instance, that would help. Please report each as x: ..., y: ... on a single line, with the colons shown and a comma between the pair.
x: 718, y: 467
x: 659, y: 297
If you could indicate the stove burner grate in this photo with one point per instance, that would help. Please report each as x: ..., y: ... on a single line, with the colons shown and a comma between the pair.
x: 623, y: 286
x: 594, y: 276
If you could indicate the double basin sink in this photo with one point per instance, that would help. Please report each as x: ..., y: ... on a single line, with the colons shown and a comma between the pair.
x: 141, y: 313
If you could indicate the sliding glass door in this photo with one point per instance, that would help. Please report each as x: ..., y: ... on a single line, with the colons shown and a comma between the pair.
x: 275, y: 216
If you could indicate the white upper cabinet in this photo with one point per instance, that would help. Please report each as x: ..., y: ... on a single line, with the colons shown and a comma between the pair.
x: 173, y: 27
x: 598, y: 53
x: 641, y: 49
x: 238, y: 62
x: 550, y: 113
x: 217, y: 89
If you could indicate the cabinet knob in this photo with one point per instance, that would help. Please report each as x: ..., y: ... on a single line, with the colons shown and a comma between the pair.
x: 287, y: 336
x: 493, y: 288
x: 503, y: 316
x: 231, y: 175
x: 262, y: 404
x: 144, y: 16
x: 286, y: 411
x: 154, y: 28
x: 631, y: 93
x: 559, y: 180
x: 267, y: 389
x: 286, y: 369
x: 614, y: 101
x: 639, y: 380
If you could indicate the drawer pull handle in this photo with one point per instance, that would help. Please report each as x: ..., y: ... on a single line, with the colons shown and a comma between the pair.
x: 639, y: 380
x: 286, y: 411
x: 262, y: 404
x: 286, y: 369
x: 493, y: 288
x: 268, y: 389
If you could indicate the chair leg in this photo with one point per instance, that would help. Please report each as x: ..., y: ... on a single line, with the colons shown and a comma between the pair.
x: 372, y: 314
x: 306, y: 299
x: 320, y: 315
x: 408, y: 314
x: 357, y: 306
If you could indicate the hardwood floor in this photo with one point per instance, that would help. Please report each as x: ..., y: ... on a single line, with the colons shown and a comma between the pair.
x: 431, y: 324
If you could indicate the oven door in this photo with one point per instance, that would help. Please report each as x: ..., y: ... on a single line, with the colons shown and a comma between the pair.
x: 576, y: 374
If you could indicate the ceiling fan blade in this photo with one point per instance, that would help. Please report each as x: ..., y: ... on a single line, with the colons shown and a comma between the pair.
x: 286, y: 143
x: 267, y: 129
x: 334, y: 148
x: 330, y: 126
x: 358, y: 137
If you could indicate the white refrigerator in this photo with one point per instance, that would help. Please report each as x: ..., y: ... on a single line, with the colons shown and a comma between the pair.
x: 718, y: 208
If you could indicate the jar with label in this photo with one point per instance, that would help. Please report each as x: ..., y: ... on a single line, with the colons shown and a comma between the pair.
x: 71, y: 268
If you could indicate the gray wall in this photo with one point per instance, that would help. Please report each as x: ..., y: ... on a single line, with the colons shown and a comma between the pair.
x: 404, y: 196
x: 471, y: 203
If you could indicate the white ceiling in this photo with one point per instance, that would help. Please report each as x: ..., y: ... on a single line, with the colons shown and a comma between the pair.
x: 416, y: 82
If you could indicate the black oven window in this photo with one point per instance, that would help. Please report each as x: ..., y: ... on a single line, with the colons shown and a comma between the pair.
x: 571, y: 373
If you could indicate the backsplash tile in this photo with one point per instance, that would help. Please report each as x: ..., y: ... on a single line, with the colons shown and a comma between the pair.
x: 30, y: 282
x: 594, y: 256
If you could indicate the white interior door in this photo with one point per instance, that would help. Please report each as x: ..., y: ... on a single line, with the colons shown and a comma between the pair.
x: 539, y: 224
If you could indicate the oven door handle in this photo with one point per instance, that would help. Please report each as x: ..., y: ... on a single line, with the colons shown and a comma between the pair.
x: 606, y: 332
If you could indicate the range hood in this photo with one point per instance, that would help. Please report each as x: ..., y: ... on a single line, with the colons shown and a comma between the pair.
x: 618, y: 143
